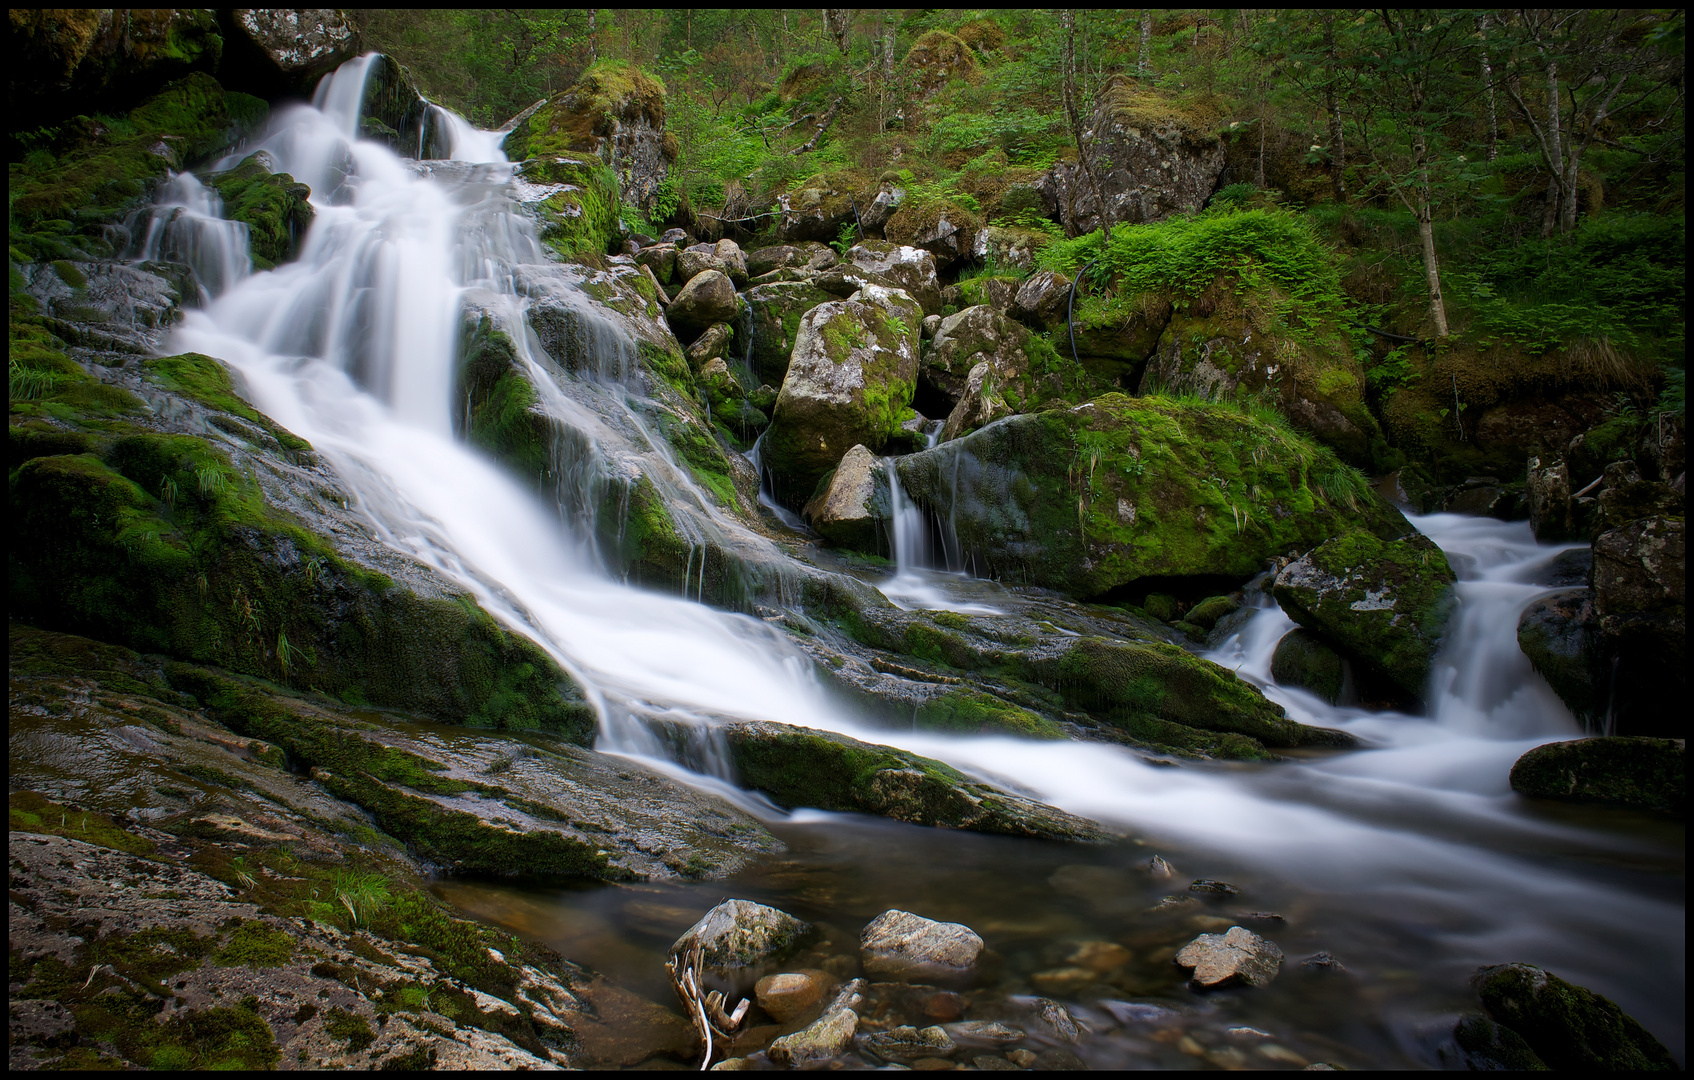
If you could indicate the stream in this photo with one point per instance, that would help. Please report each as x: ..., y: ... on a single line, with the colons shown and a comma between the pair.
x: 1410, y: 860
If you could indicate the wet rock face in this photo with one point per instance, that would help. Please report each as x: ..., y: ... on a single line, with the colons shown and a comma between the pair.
x: 1155, y: 162
x: 288, y: 48
x: 1646, y: 773
x: 777, y: 308
x: 900, y: 946
x: 1235, y: 956
x: 1302, y: 659
x: 850, y: 509
x: 1640, y: 597
x: 1547, y: 489
x: 852, y: 373
x: 739, y: 934
x: 1384, y: 602
x: 1568, y: 1026
x: 1558, y: 635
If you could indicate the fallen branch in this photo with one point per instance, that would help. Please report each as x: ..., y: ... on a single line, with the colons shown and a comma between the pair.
x: 705, y: 1011
x: 828, y: 119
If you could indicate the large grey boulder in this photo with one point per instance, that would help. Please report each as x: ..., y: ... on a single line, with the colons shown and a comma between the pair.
x: 708, y: 298
x: 905, y: 267
x: 725, y: 257
x: 1042, y: 300
x: 901, y: 946
x: 966, y: 339
x: 854, y: 502
x: 1155, y: 161
x: 1236, y: 956
x: 851, y: 377
x: 777, y: 308
x: 806, y: 255
x: 738, y: 935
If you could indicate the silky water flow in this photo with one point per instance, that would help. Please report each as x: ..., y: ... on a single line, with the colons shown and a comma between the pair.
x: 1414, y: 845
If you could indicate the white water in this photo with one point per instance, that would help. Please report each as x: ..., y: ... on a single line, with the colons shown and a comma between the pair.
x: 352, y: 347
x: 186, y: 225
x: 914, y: 584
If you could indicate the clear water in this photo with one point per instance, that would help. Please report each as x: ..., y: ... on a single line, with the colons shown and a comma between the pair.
x: 1410, y: 859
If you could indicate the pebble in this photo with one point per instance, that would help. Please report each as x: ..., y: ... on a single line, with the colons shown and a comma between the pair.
x: 1160, y: 869
x: 985, y: 1031
x: 1206, y: 885
x: 907, y: 1043
x: 990, y: 1063
x: 1171, y: 903
x: 1100, y: 955
x: 827, y: 1037
x: 1323, y: 961
x: 900, y: 945
x: 1020, y: 1057
x: 1058, y: 1020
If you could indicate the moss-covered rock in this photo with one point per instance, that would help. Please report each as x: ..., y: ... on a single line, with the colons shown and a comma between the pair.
x: 1162, y: 695
x: 65, y: 61
x: 1567, y: 1026
x: 937, y: 58
x: 1385, y: 602
x: 276, y: 209
x: 1647, y: 773
x: 850, y: 380
x: 969, y: 712
x: 802, y: 767
x: 1098, y: 496
x: 615, y: 112
x: 1489, y: 1047
x: 1302, y: 659
x: 777, y: 309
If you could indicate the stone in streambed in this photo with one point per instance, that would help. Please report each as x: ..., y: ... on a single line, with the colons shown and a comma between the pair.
x: 829, y: 1036
x: 1560, y: 636
x: 907, y: 1044
x: 739, y: 934
x: 1567, y: 1026
x: 789, y: 994
x: 1646, y: 773
x: 900, y: 945
x: 1235, y: 956
x: 708, y: 298
x: 851, y: 505
x: 1489, y: 1047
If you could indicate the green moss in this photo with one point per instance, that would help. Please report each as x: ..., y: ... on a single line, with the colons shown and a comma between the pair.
x: 1568, y: 1026
x: 971, y: 713
x: 350, y: 1029
x: 207, y: 381
x: 257, y: 945
x: 1645, y: 773
x: 33, y: 813
x: 275, y: 208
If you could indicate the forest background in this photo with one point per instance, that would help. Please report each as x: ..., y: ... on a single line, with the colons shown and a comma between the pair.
x: 1497, y: 175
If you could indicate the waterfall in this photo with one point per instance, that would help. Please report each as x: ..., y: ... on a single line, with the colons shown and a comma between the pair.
x: 186, y: 225
x: 915, y: 583
x: 352, y: 347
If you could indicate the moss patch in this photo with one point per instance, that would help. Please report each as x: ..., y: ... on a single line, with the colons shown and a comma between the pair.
x: 968, y: 712
x: 27, y: 811
x: 275, y: 208
x: 1647, y: 773
x: 257, y: 945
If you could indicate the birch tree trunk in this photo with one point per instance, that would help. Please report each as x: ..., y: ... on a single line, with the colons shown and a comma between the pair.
x: 1488, y: 80
x: 1424, y: 210
x: 1555, y: 151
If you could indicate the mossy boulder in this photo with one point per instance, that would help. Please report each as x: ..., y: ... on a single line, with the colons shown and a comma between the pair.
x: 1302, y: 659
x: 937, y: 58
x: 1232, y: 339
x: 850, y: 381
x: 1568, y: 1026
x: 1384, y: 602
x: 276, y: 209
x: 615, y: 112
x: 852, y: 503
x: 1162, y: 695
x: 777, y: 309
x: 1489, y: 1047
x: 1646, y: 773
x: 801, y: 767
x: 1089, y: 498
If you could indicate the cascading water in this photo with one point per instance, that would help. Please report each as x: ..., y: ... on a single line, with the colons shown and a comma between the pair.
x: 186, y: 225
x: 914, y: 585
x: 352, y: 347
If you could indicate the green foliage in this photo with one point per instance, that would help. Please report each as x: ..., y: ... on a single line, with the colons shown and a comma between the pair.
x: 256, y: 945
x: 363, y: 895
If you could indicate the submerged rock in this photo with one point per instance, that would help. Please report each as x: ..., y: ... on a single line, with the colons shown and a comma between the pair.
x: 902, y: 946
x: 1567, y: 1026
x: 827, y: 1037
x: 906, y: 1044
x: 1238, y: 955
x: 1646, y: 773
x: 790, y: 994
x: 740, y: 934
x: 1489, y: 1047
x: 801, y: 767
x: 1385, y: 602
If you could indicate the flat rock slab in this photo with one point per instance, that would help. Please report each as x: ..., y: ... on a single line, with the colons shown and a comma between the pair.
x: 1235, y: 956
x: 900, y: 945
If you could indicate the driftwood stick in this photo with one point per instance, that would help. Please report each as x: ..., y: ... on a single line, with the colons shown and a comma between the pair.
x: 828, y: 119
